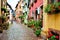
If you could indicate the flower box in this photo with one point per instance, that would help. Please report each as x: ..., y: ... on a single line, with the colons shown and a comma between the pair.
x: 53, y: 8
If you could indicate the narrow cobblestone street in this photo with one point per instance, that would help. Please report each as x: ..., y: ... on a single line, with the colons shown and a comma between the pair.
x: 29, y: 19
x: 19, y: 32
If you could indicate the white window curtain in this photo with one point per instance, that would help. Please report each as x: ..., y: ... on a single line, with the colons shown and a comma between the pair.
x: 25, y: 9
x: 38, y: 9
x: 22, y: 4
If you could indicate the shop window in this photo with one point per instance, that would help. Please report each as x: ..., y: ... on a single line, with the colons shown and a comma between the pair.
x: 33, y: 14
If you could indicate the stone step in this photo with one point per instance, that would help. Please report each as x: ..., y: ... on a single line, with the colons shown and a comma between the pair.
x: 44, y: 35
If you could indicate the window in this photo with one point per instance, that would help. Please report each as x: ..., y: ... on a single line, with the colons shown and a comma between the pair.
x: 33, y: 14
x: 32, y: 1
x: 35, y: 1
x: 36, y: 12
x: 32, y: 4
x: 29, y: 3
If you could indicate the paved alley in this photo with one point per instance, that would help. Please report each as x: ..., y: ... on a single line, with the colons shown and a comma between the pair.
x: 19, y: 32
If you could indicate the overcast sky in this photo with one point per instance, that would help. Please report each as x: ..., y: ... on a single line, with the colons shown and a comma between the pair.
x: 13, y: 3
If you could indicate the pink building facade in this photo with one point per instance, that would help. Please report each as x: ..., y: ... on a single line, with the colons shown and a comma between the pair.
x: 33, y: 8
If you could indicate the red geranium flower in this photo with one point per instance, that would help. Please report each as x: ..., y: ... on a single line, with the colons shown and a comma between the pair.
x: 51, y: 34
x: 57, y: 37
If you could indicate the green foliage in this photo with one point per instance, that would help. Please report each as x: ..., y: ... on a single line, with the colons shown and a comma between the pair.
x: 38, y: 32
x: 3, y: 23
x: 38, y: 24
x: 4, y: 9
x: 57, y: 4
x: 3, y: 18
x: 22, y: 16
x: 52, y: 8
x: 48, y: 8
x: 31, y: 22
x: 5, y: 26
x: 52, y: 38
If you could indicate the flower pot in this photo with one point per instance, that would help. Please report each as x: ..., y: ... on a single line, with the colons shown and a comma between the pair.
x: 37, y: 33
x: 32, y: 26
x: 59, y: 7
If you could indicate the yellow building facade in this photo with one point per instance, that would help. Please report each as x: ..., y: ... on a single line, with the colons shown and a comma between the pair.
x: 18, y: 9
x: 2, y: 4
x: 50, y: 21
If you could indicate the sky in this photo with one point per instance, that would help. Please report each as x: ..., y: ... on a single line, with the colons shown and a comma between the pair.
x: 13, y: 3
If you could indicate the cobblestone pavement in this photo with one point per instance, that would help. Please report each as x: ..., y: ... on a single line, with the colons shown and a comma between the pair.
x: 19, y: 32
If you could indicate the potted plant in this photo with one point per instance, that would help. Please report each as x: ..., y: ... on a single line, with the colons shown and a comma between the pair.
x: 38, y: 32
x: 3, y: 19
x: 31, y: 23
x: 52, y: 36
x: 22, y: 18
x: 48, y: 9
x: 53, y: 8
x: 57, y: 6
x: 4, y: 9
x: 5, y: 26
x: 37, y: 26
